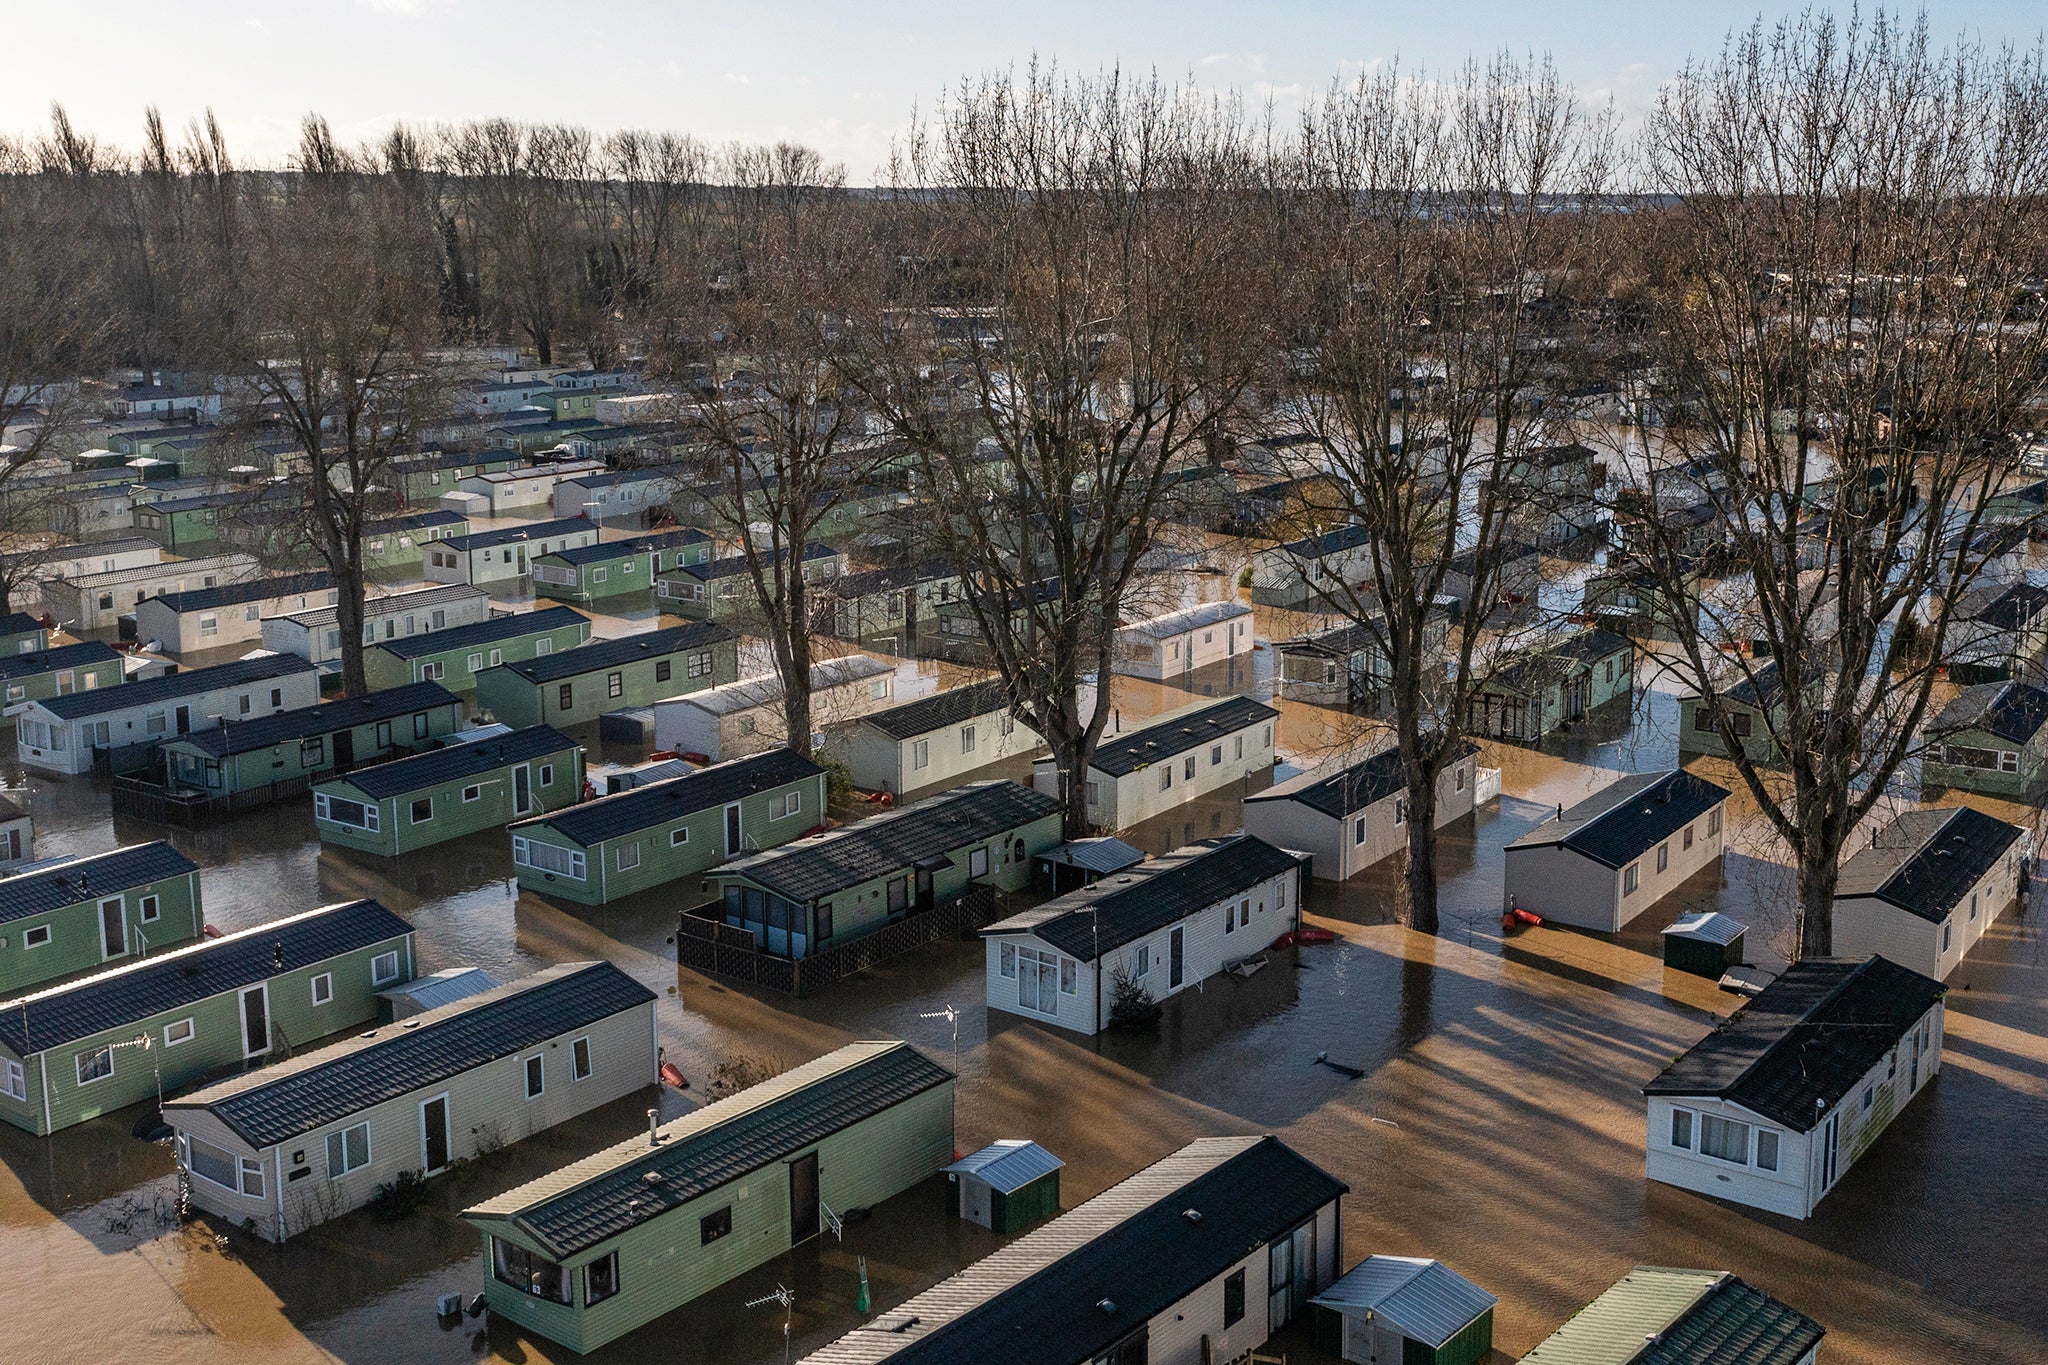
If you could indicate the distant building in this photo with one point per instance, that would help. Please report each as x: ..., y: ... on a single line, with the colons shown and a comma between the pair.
x: 1179, y: 642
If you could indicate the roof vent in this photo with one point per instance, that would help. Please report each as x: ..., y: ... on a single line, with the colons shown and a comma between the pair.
x: 1106, y: 1307
x: 1192, y: 1215
x: 652, y: 1177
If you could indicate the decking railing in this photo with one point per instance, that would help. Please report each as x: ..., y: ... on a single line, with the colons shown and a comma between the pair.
x: 190, y: 809
x: 705, y: 943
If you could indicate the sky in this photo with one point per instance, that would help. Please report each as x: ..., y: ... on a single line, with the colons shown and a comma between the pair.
x: 843, y: 77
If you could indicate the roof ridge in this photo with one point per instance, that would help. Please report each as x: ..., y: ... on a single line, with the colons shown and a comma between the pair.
x: 1792, y: 1028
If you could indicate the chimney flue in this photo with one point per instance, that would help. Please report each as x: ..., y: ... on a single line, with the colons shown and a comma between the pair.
x: 654, y: 1128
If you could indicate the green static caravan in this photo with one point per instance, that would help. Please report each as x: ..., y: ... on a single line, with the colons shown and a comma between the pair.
x: 617, y: 567
x: 21, y: 633
x: 241, y: 757
x: 1992, y: 739
x: 720, y: 589
x: 190, y: 525
x: 89, y: 1047
x: 1754, y: 707
x: 579, y: 685
x: 454, y: 657
x: 612, y: 1242
x: 328, y: 1127
x: 410, y: 803
x: 58, y: 672
x: 73, y: 915
x: 424, y: 478
x: 1541, y: 692
x: 822, y: 891
x: 670, y: 830
x: 400, y: 543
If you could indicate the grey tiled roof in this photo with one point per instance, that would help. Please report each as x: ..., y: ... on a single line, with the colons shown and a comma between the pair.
x: 1926, y: 860
x: 1336, y: 790
x: 48, y: 660
x: 1176, y: 733
x: 172, y: 686
x: 285, y: 727
x: 512, y: 535
x: 2011, y: 711
x: 447, y: 764
x: 951, y: 707
x: 482, y: 632
x: 600, y: 654
x: 1628, y: 817
x: 319, y: 1088
x: 248, y: 590
x: 127, y: 994
x: 883, y: 844
x: 608, y: 817
x: 602, y: 1196
x: 81, y: 879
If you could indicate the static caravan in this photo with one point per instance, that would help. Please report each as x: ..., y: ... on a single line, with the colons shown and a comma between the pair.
x: 1543, y: 690
x: 58, y: 672
x: 1350, y: 813
x: 1659, y: 1316
x: 316, y: 635
x: 1927, y: 887
x: 1165, y: 926
x: 1406, y: 1309
x: 1205, y: 1254
x: 669, y: 831
x: 454, y: 657
x: 1773, y: 1106
x: 100, y: 556
x: 323, y: 1130
x: 612, y: 1242
x: 72, y: 915
x: 1185, y: 754
x: 61, y: 734
x: 637, y: 496
x: 888, y: 607
x: 1332, y: 570
x: 615, y: 567
x: 501, y: 555
x: 1753, y: 706
x: 462, y: 788
x: 17, y: 835
x: 719, y: 589
x: 69, y: 1053
x: 283, y: 754
x: 745, y: 717
x: 1171, y: 646
x: 573, y: 686
x: 1992, y: 739
x: 820, y: 892
x: 512, y: 491
x: 932, y: 741
x: 96, y: 601
x: 399, y: 544
x: 21, y: 633
x: 231, y: 614
x: 1603, y: 862
x: 1513, y: 571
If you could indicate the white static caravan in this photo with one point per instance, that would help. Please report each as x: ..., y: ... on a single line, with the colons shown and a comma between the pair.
x: 735, y: 719
x: 1168, y: 924
x: 1775, y: 1105
x: 329, y: 1126
x: 1166, y: 647
x: 97, y: 601
x: 932, y: 741
x: 1184, y: 754
x: 1349, y: 814
x: 315, y: 635
x: 1203, y: 1255
x: 522, y: 490
x: 501, y: 555
x: 106, y: 556
x: 1927, y: 887
x: 60, y: 734
x: 1604, y: 861
x: 231, y: 614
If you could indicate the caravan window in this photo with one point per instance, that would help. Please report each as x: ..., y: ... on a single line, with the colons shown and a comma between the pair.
x: 528, y: 1272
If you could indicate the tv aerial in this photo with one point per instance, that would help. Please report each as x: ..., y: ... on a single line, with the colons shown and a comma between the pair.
x: 952, y: 1016
x: 787, y: 1298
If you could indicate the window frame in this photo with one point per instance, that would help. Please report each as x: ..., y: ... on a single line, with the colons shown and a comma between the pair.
x: 341, y: 1136
x: 581, y: 1066
x: 191, y: 1027
x: 315, y: 985
x: 377, y: 975
x: 534, y: 1071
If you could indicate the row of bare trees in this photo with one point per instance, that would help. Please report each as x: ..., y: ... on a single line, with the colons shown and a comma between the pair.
x: 1805, y: 294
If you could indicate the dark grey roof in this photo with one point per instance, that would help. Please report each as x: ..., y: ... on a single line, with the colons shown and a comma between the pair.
x: 483, y: 632
x: 171, y: 686
x: 286, y: 727
x: 1329, y: 542
x: 882, y: 844
x: 1176, y: 733
x: 436, y: 766
x: 1736, y: 1324
x: 2007, y: 710
x: 1129, y: 905
x: 1071, y: 1289
x: 1627, y: 818
x: 1559, y: 659
x: 1338, y: 790
x: 414, y: 521
x: 1795, y: 1050
x: 848, y: 586
x: 81, y: 879
x: 632, y: 545
x: 47, y: 660
x: 319, y: 1088
x: 139, y: 990
x: 737, y: 564
x: 941, y: 709
x: 248, y: 590
x: 1103, y: 854
x: 512, y: 535
x: 1925, y: 861
x: 20, y: 622
x: 634, y: 1183
x: 608, y: 817
x: 593, y: 655
x: 2018, y: 606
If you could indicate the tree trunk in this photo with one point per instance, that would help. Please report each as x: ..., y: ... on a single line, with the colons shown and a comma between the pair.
x: 348, y: 619
x: 1818, y: 872
x: 1421, y: 870
x: 796, y: 677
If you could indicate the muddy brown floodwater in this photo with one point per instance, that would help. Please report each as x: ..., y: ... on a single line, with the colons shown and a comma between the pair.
x: 1498, y: 1125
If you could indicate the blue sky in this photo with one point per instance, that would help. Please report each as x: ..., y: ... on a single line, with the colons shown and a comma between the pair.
x: 840, y: 76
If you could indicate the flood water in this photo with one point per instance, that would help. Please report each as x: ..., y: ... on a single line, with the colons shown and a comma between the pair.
x: 1498, y: 1126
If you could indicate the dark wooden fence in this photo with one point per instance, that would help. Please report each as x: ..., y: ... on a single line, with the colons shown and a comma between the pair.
x: 190, y: 809
x: 705, y: 943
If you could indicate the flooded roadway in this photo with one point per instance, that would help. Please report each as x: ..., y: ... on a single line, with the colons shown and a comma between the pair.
x: 1498, y: 1125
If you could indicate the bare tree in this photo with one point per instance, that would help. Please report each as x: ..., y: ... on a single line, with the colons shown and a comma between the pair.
x: 1072, y: 321
x: 328, y: 311
x: 1428, y: 220
x: 1846, y: 313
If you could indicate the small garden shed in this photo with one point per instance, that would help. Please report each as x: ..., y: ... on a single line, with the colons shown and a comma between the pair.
x: 1706, y: 944
x: 1406, y: 1309
x: 1008, y: 1186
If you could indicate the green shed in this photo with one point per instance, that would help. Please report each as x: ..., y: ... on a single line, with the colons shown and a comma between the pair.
x: 1405, y: 1308
x: 1706, y: 944
x: 1008, y: 1186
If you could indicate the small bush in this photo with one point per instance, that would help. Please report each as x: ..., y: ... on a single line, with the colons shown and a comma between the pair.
x: 1131, y: 1006
x: 397, y: 1198
x: 739, y: 1071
